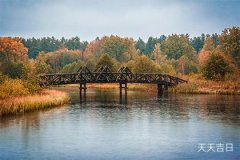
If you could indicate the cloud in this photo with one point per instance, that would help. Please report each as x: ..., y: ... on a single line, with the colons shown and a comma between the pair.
x: 89, y: 19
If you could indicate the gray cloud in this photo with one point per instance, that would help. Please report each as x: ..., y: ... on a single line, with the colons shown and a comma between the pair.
x: 89, y: 19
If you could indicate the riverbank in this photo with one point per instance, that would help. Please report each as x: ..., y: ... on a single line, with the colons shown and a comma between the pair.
x: 131, y: 86
x: 44, y: 99
x: 197, y: 85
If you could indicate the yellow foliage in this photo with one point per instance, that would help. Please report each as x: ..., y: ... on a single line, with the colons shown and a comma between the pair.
x: 12, y: 87
x: 12, y: 49
x: 22, y: 104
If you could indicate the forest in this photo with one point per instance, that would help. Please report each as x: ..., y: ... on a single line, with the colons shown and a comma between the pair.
x: 206, y: 60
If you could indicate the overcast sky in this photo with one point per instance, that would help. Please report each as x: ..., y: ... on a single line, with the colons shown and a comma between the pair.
x: 132, y: 18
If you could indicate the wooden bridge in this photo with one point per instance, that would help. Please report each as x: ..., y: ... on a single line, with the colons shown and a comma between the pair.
x: 104, y: 75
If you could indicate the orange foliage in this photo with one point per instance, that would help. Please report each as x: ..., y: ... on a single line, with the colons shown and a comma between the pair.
x: 62, y: 57
x: 203, y: 56
x: 12, y: 49
x: 93, y: 49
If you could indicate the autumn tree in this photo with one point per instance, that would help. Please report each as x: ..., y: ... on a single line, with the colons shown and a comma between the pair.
x: 12, y: 49
x: 150, y: 45
x: 160, y: 58
x: 216, y: 67
x: 72, y: 67
x: 230, y: 43
x: 122, y: 49
x: 50, y: 44
x: 106, y: 60
x: 156, y: 52
x: 176, y: 46
x: 206, y: 51
x: 93, y: 49
x: 58, y: 59
x: 143, y: 64
x: 12, y: 56
x: 186, y: 65
x: 41, y: 65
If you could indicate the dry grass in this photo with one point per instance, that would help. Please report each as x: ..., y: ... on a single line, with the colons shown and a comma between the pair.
x: 198, y: 85
x: 45, y: 99
x: 131, y: 86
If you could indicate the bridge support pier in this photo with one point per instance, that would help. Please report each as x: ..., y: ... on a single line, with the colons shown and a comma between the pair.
x: 162, y: 88
x: 123, y: 86
x: 166, y: 87
x: 83, y: 88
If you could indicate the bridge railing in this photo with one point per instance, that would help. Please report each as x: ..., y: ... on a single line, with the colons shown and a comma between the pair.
x: 104, y: 75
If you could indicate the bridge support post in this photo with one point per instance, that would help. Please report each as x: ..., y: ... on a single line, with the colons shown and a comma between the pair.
x: 123, y: 86
x: 166, y: 87
x: 83, y: 88
x: 160, y: 89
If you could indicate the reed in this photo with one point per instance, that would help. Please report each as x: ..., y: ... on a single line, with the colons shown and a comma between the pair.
x: 197, y: 85
x: 22, y: 104
x: 131, y: 86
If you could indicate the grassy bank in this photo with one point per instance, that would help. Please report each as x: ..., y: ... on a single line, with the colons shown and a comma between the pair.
x: 22, y: 104
x: 197, y: 85
x: 131, y: 86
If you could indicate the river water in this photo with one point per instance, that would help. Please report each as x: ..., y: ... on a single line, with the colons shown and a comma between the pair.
x: 143, y: 126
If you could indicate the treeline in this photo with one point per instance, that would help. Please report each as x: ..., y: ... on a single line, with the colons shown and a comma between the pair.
x: 214, y: 56
x: 196, y: 42
x: 49, y: 44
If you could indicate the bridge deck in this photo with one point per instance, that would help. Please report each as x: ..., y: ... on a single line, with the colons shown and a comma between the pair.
x: 105, y: 75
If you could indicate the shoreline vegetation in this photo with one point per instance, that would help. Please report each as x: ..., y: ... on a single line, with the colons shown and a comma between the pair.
x: 198, y: 85
x: 21, y: 104
x: 195, y: 85
x: 210, y: 64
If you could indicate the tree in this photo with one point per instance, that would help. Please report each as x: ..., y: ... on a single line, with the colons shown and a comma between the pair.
x: 215, y: 40
x: 12, y: 56
x: 230, y: 43
x: 12, y: 69
x: 106, y: 60
x: 93, y: 49
x: 140, y: 45
x: 143, y: 64
x: 206, y: 51
x: 185, y: 65
x: 216, y: 67
x: 50, y: 44
x: 12, y: 49
x: 41, y: 65
x: 165, y: 65
x: 150, y: 45
x: 72, y: 67
x: 122, y: 49
x: 176, y: 46
x: 156, y: 52
x: 58, y: 59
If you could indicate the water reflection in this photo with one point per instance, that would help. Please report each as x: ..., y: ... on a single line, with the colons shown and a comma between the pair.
x: 141, y: 125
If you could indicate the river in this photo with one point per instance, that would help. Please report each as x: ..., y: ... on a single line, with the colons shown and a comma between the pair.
x: 143, y: 126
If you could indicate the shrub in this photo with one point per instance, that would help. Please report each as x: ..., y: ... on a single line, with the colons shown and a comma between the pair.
x: 216, y: 67
x: 106, y: 60
x: 12, y: 69
x: 12, y: 88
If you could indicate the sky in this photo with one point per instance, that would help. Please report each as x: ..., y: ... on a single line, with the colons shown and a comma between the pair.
x: 89, y: 19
